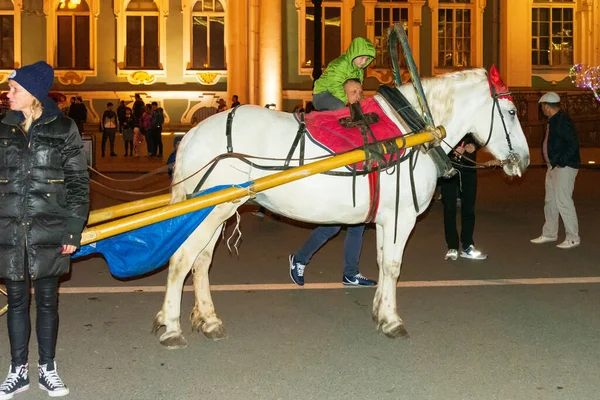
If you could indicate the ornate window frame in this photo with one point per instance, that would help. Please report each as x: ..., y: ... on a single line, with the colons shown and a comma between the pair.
x: 549, y: 71
x: 16, y: 13
x: 204, y: 77
x: 141, y: 76
x: 415, y: 14
x: 346, y: 7
x: 477, y: 8
x: 71, y: 77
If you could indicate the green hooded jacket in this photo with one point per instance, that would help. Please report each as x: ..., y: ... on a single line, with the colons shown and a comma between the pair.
x: 343, y: 68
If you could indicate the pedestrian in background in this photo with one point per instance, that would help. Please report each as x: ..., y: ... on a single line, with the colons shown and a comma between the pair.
x: 128, y: 125
x: 461, y: 186
x: 45, y: 203
x: 146, y: 127
x: 158, y: 119
x: 108, y: 127
x: 560, y: 151
x: 121, y: 114
x: 138, y: 139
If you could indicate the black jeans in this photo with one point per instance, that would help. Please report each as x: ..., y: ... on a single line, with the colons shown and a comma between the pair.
x: 463, y: 184
x: 108, y: 134
x: 19, y: 323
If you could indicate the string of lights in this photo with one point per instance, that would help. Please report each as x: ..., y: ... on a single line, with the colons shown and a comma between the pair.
x: 586, y: 78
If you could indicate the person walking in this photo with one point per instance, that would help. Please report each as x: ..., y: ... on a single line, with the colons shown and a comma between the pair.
x: 461, y: 186
x: 127, y: 124
x: 560, y: 151
x: 45, y: 203
x: 341, y: 79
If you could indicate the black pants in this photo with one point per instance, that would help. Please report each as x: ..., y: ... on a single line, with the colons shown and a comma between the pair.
x: 463, y: 185
x: 157, y: 141
x: 19, y: 323
x: 129, y: 147
x: 108, y: 134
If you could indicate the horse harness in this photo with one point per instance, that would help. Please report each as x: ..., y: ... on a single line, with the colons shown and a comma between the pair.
x: 375, y: 161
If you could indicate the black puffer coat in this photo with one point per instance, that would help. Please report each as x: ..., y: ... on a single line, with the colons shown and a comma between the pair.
x: 44, y: 193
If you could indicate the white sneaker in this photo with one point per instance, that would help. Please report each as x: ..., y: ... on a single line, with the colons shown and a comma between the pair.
x: 568, y: 244
x: 473, y: 254
x: 452, y: 254
x: 542, y: 239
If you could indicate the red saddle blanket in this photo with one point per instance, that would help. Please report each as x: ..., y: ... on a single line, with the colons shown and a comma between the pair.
x: 325, y: 130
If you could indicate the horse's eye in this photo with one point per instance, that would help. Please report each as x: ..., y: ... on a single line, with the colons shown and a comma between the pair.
x: 512, y: 112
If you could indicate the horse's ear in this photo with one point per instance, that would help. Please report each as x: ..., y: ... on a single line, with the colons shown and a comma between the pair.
x: 497, y: 83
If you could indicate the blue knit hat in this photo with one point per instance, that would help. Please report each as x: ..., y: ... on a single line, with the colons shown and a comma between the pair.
x: 36, y: 78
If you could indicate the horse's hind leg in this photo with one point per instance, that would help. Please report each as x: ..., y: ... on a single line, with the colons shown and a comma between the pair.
x: 390, y: 261
x: 202, y: 239
x: 203, y: 317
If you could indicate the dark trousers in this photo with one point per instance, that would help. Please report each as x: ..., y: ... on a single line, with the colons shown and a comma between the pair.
x: 463, y: 185
x: 157, y: 144
x: 148, y: 136
x: 129, y: 147
x: 108, y: 134
x: 19, y: 323
x: 352, y: 245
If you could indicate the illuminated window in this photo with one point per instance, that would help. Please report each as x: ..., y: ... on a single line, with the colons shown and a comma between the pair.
x: 7, y: 34
x: 552, y: 34
x: 208, y: 35
x: 454, y: 38
x: 331, y: 33
x: 336, y: 31
x: 142, y: 37
x: 386, y: 14
x: 73, y: 35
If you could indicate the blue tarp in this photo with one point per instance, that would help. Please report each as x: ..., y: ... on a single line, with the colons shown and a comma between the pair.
x: 143, y: 250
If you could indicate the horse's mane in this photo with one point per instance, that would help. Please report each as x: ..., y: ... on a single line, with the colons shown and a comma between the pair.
x: 440, y: 91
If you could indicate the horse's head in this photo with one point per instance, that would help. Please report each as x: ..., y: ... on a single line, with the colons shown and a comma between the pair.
x: 505, y: 138
x: 473, y: 101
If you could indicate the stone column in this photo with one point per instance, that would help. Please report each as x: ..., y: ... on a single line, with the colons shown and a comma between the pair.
x: 515, y: 43
x: 270, y: 53
x: 237, y: 55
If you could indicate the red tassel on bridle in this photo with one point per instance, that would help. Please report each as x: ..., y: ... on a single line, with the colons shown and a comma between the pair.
x: 495, y: 81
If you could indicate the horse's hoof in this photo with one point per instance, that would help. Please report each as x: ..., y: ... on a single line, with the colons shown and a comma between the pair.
x: 396, y: 332
x: 173, y: 341
x: 218, y: 333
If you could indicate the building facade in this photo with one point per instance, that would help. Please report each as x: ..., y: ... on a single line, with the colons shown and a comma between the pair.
x: 187, y: 54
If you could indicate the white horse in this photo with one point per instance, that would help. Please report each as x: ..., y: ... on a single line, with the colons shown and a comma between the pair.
x: 460, y: 101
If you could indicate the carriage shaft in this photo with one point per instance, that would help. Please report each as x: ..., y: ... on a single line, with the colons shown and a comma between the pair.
x: 126, y: 224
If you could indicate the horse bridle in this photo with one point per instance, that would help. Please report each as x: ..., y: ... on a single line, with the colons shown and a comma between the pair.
x: 513, y: 158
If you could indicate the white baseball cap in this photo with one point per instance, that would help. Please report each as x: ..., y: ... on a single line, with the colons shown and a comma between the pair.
x: 550, y: 97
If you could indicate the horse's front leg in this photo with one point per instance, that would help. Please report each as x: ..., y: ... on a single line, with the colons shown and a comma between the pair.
x: 389, y: 256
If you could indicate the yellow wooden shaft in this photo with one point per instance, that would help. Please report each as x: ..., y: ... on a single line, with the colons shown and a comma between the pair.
x: 123, y: 210
x: 113, y: 228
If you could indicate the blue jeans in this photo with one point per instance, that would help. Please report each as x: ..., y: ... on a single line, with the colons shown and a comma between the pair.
x: 352, y: 245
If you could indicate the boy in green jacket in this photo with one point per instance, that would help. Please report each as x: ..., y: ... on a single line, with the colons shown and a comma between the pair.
x: 328, y: 93
x: 342, y: 77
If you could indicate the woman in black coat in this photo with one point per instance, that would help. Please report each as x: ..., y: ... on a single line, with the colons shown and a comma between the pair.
x: 44, y: 203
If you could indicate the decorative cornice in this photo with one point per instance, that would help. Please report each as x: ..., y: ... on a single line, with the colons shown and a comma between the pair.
x: 70, y: 78
x: 209, y: 77
x: 141, y: 78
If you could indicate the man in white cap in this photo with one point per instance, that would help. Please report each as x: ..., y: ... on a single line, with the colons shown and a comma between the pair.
x: 560, y: 150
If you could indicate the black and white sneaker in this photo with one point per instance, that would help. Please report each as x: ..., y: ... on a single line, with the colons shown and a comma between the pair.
x: 17, y: 381
x: 50, y: 381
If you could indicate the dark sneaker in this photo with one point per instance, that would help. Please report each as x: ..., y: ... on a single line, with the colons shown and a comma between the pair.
x: 473, y: 254
x: 296, y: 271
x: 17, y: 381
x: 50, y: 381
x: 358, y: 280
